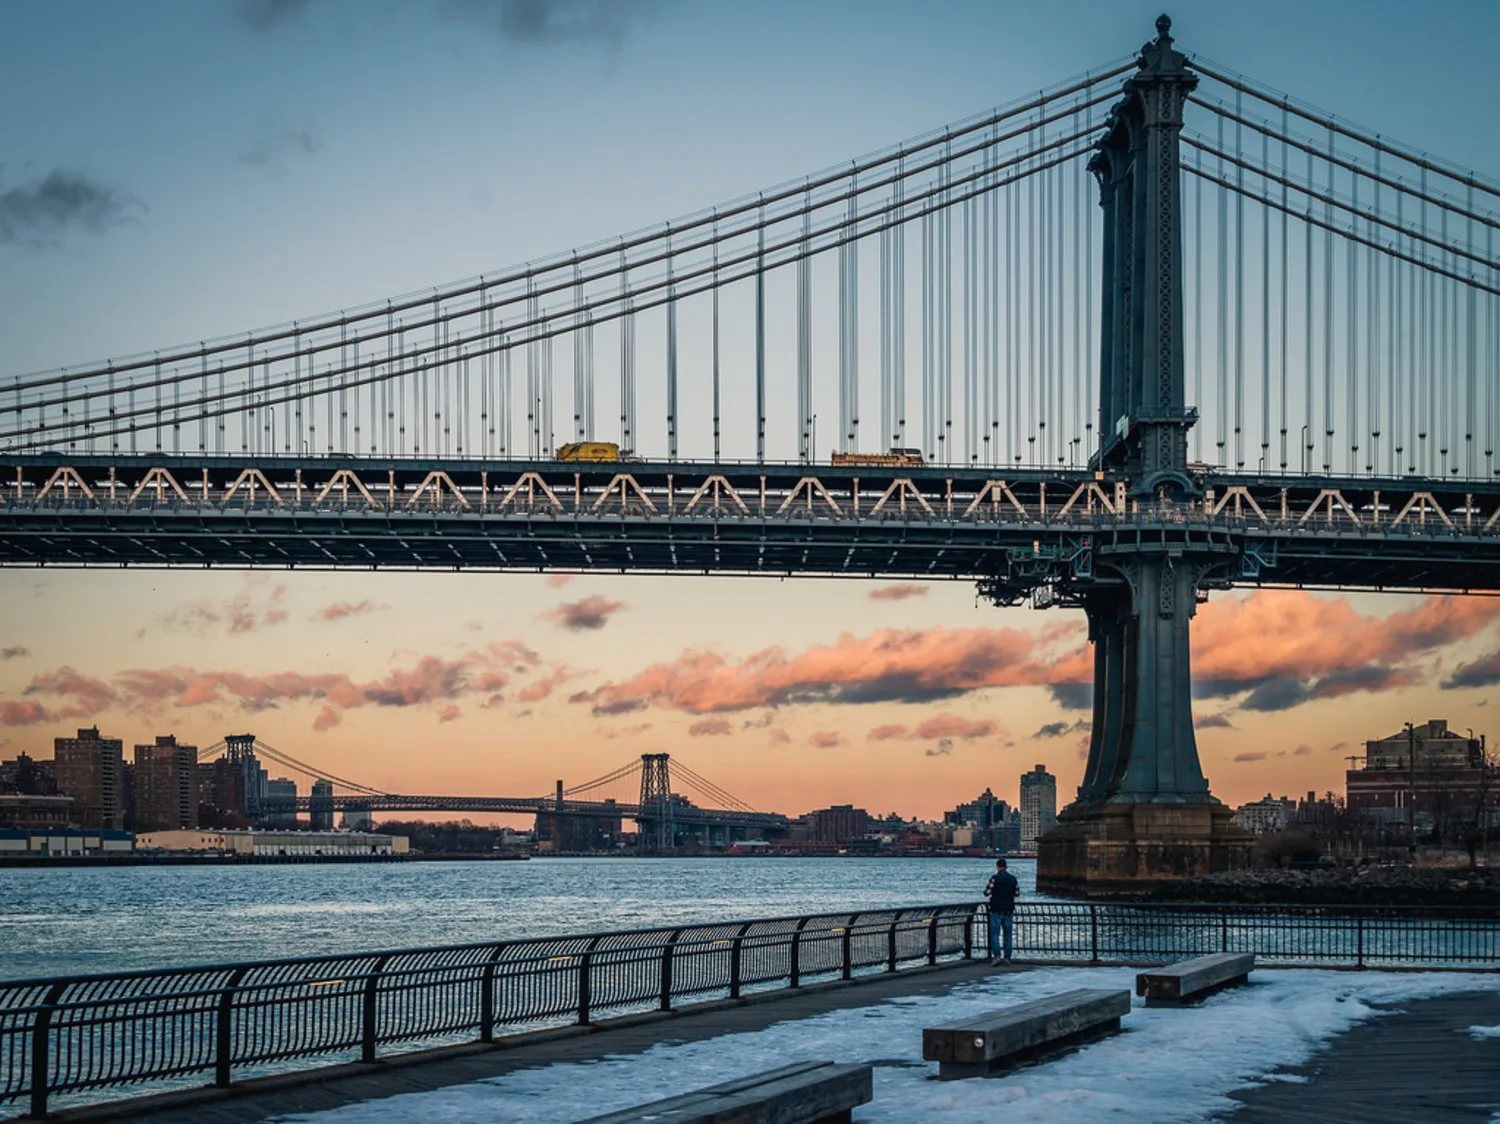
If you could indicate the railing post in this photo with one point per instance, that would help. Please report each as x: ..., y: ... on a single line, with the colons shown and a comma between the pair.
x: 487, y: 995
x: 1093, y: 933
x: 1224, y: 931
x: 1360, y: 950
x: 969, y: 934
x: 667, y: 952
x: 794, y: 976
x: 734, y: 962
x: 932, y: 940
x: 40, y: 1055
x: 372, y: 984
x: 224, y: 1042
x: 586, y: 982
x: 847, y: 948
x: 890, y: 945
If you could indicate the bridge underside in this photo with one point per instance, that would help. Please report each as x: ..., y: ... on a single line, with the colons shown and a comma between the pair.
x: 1016, y: 529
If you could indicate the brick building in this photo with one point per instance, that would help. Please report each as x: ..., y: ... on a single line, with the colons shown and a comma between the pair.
x: 91, y: 769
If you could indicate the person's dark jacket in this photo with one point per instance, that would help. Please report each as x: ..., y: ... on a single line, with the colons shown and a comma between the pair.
x: 1001, y: 892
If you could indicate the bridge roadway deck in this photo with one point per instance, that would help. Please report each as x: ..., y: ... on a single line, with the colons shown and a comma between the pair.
x: 1379, y: 1072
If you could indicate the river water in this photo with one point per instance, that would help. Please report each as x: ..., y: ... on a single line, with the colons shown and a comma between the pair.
x: 70, y: 920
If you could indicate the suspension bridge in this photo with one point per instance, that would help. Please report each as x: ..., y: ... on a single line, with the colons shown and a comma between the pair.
x: 646, y: 784
x: 1269, y: 355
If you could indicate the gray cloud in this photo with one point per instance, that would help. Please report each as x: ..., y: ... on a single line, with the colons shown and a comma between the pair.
x: 1052, y: 730
x: 545, y: 23
x: 1072, y: 696
x: 290, y: 142
x: 1209, y: 721
x: 1276, y: 694
x: 14, y: 652
x: 1481, y: 673
x: 943, y: 748
x: 39, y: 213
x: 267, y: 15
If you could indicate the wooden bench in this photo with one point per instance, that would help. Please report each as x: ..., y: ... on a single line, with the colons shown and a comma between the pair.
x: 1191, y: 980
x: 804, y: 1093
x: 998, y: 1039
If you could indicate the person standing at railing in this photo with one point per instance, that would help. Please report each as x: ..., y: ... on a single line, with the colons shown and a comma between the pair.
x: 1001, y: 890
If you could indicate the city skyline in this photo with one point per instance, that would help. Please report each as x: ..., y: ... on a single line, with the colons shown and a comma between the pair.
x: 894, y: 696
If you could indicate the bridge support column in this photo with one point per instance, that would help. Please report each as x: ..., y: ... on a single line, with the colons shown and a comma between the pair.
x: 1144, y: 814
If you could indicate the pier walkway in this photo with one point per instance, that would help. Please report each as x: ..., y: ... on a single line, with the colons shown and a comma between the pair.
x: 1376, y: 1070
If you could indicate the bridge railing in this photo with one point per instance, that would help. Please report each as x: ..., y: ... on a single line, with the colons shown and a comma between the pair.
x: 85, y: 1034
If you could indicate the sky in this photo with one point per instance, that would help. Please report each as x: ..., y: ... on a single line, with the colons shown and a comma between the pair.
x: 175, y: 171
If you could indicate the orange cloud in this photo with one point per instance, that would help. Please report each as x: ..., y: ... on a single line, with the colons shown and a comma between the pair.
x: 901, y: 591
x: 539, y: 689
x: 889, y: 665
x: 26, y: 712
x: 341, y: 609
x: 826, y: 739
x: 710, y: 727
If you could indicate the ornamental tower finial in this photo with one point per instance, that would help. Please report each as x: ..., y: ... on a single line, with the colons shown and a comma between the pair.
x: 1163, y: 28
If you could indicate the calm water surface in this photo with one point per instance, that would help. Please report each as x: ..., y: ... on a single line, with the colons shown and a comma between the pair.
x: 74, y: 920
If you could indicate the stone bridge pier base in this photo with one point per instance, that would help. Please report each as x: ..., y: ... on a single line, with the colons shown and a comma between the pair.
x: 1144, y: 814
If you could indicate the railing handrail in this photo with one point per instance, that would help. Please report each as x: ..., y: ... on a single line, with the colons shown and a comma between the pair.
x: 473, y: 946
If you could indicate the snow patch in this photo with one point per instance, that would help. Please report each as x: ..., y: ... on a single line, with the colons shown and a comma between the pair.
x: 1480, y: 1032
x: 1167, y: 1065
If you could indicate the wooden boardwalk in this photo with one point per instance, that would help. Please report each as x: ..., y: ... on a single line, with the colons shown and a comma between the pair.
x: 1418, y: 1065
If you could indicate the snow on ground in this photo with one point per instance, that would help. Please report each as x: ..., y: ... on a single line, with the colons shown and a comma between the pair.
x: 1167, y: 1064
x: 1484, y: 1032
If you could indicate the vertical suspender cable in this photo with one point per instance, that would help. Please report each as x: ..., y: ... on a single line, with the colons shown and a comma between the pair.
x: 579, y: 432
x: 1372, y: 325
x: 1222, y: 325
x: 1309, y: 420
x: 1033, y: 311
x: 760, y: 340
x: 1239, y: 296
x: 1059, y: 323
x: 1265, y: 312
x: 1042, y: 247
x: 804, y: 337
x: 671, y: 354
x: 945, y: 310
x: 898, y: 311
x: 1445, y: 375
x: 1351, y: 318
x: 1090, y: 333
x: 1328, y: 428
x: 1471, y: 358
x: 1283, y: 294
x: 715, y: 332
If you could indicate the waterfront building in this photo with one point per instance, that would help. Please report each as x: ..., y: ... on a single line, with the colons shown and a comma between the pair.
x: 28, y: 776
x: 320, y: 807
x: 1266, y: 815
x: 221, y: 794
x: 1038, y: 805
x: 1426, y: 778
x: 42, y: 842
x: 302, y: 844
x: 985, y: 821
x: 27, y: 810
x: 279, y: 804
x: 840, y: 823
x: 165, y: 785
x: 91, y: 769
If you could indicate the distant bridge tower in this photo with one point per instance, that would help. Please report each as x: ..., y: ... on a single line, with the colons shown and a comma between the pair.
x: 1144, y: 812
x: 656, y: 803
x: 240, y: 750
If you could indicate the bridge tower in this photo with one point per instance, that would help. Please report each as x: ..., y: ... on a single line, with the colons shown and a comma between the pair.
x: 658, y: 833
x: 1144, y: 812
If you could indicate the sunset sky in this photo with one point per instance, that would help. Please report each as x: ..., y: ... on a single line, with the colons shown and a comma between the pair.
x: 180, y: 170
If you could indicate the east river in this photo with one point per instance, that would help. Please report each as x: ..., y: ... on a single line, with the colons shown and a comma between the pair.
x: 71, y: 920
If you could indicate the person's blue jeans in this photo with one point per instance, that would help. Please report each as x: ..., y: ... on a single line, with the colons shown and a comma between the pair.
x: 1000, y: 922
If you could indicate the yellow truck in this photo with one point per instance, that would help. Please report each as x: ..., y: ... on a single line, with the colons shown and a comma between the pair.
x: 589, y: 451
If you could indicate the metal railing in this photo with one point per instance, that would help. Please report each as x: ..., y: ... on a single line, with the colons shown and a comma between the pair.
x: 83, y: 1034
